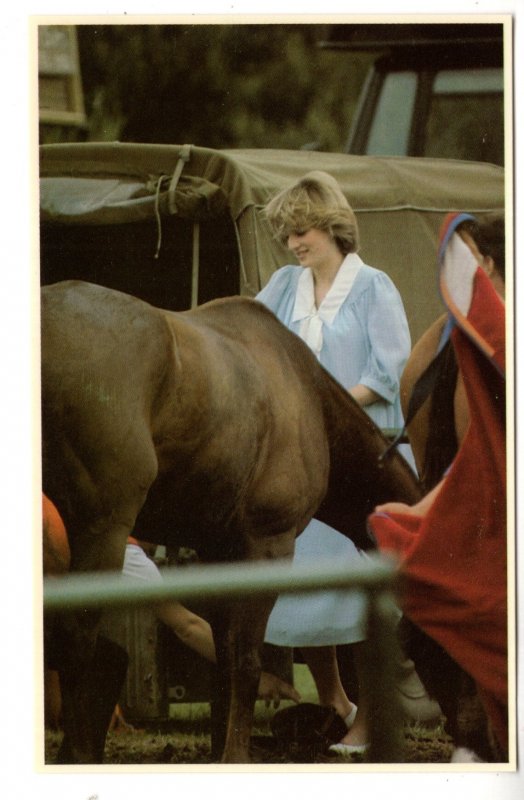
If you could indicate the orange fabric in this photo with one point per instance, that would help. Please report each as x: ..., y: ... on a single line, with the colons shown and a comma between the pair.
x: 56, y: 560
x: 55, y: 544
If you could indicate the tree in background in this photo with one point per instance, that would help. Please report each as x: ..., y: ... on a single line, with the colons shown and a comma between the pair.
x: 218, y: 86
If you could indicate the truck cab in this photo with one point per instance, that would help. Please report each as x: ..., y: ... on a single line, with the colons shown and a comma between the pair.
x: 433, y: 90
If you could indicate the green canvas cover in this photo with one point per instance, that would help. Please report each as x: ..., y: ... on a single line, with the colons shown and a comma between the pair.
x: 399, y: 202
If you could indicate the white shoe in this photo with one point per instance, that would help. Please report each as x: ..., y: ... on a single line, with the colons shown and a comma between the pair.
x: 463, y: 755
x: 348, y: 749
x: 350, y: 719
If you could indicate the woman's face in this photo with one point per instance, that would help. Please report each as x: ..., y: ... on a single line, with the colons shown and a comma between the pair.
x: 313, y: 247
x: 486, y: 262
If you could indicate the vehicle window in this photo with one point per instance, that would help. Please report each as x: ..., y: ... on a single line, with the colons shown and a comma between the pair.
x: 466, y: 116
x: 390, y: 130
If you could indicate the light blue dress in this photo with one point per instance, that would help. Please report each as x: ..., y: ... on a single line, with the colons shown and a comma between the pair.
x: 360, y: 334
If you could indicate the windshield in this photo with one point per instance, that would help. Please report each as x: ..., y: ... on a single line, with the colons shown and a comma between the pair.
x: 464, y: 119
x: 453, y: 113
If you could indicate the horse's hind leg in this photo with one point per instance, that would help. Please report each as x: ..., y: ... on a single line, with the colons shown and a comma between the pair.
x: 242, y: 650
x: 100, y: 511
x: 104, y: 686
x: 91, y: 670
x: 86, y: 725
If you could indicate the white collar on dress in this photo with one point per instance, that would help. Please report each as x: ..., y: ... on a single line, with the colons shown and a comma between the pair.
x: 305, y: 311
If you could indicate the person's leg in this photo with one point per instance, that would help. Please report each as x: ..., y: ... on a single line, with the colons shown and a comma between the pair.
x: 322, y: 663
x: 357, y: 735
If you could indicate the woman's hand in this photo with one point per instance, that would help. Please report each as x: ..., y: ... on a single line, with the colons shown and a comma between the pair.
x: 364, y: 395
x: 395, y: 508
x: 418, y: 510
x: 272, y: 690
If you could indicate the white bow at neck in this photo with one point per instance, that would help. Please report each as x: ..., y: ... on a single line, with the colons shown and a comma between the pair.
x: 311, y: 318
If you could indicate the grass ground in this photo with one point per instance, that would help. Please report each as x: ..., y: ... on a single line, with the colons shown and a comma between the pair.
x: 185, y: 738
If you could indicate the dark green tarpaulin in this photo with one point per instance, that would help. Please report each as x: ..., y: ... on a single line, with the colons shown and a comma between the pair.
x: 399, y: 202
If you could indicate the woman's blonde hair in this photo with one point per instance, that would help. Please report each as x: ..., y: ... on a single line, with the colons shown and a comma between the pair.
x: 315, y: 201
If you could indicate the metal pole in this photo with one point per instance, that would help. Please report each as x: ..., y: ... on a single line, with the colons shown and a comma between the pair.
x: 195, y: 267
x: 383, y: 660
x: 227, y: 581
x: 376, y: 577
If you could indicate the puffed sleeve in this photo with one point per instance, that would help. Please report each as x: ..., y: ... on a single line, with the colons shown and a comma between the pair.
x: 388, y: 337
x: 276, y: 293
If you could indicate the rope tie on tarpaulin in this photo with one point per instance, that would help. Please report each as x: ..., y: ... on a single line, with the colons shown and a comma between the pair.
x: 183, y: 158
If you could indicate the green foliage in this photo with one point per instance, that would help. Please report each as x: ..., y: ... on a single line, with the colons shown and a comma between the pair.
x: 218, y: 85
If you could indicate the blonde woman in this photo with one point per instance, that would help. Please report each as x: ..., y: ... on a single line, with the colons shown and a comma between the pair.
x: 351, y: 316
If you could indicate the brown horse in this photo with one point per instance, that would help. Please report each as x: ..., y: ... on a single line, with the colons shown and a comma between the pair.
x: 439, y: 426
x: 214, y: 428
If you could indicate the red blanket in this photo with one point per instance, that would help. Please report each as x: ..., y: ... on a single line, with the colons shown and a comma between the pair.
x: 453, y: 560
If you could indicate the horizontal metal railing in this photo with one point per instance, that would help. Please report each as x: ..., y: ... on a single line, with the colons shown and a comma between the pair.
x: 82, y: 590
x: 375, y: 578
